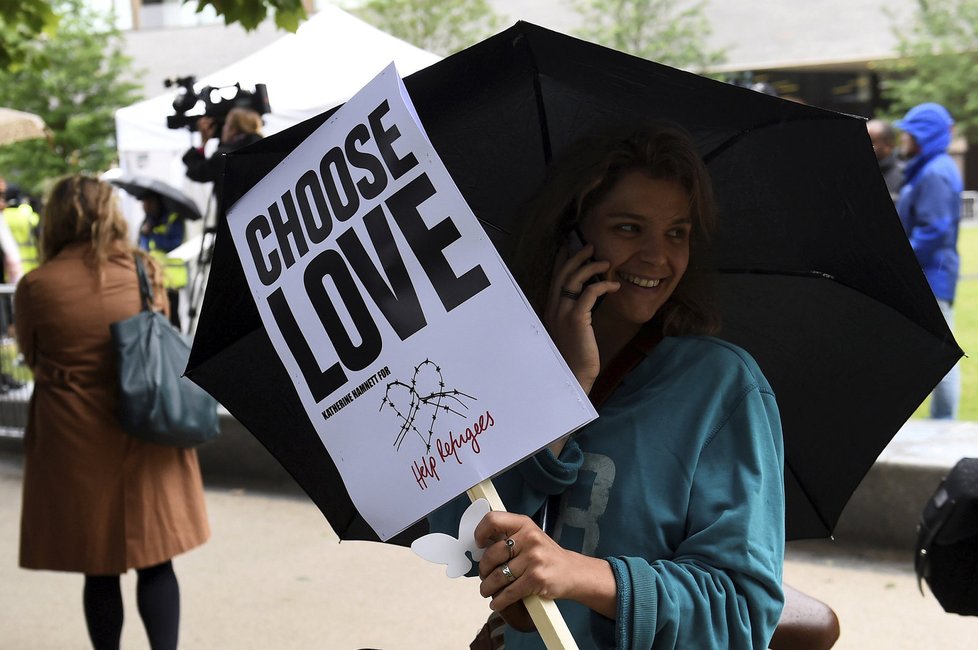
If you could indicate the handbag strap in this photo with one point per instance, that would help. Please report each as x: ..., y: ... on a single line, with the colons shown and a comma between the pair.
x: 630, y: 356
x: 145, y: 289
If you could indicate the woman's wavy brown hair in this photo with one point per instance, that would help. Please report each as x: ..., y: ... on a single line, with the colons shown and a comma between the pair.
x: 584, y: 176
x: 84, y: 209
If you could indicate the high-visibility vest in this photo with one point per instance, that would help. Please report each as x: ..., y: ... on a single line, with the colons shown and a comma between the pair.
x: 23, y: 222
x: 174, y: 269
x: 175, y: 274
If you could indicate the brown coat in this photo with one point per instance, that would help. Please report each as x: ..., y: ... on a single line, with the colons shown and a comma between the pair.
x: 96, y: 500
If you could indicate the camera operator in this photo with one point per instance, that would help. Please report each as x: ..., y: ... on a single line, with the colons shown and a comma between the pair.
x: 242, y: 127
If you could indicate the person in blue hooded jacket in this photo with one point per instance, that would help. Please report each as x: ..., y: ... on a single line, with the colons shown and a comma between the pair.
x: 930, y: 209
x: 665, y: 520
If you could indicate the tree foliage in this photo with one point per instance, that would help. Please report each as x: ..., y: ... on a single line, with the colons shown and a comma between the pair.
x: 672, y: 32
x: 21, y: 23
x: 76, y: 96
x: 433, y: 25
x: 938, y: 51
x: 25, y: 21
x: 250, y: 13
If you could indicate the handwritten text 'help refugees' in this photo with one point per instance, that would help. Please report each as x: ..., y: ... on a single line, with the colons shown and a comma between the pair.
x: 330, y: 194
x: 428, y: 467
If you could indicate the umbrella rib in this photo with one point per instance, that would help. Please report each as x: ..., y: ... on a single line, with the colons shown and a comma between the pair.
x: 808, y: 497
x: 488, y: 224
x: 708, y: 157
x: 544, y: 129
x: 798, y: 274
x: 541, y: 107
x: 821, y: 275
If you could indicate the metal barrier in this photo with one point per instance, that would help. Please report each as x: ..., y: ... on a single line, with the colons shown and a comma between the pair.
x: 16, y: 382
x: 969, y: 205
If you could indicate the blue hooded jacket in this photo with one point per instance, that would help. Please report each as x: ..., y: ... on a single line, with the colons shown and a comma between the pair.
x: 930, y: 201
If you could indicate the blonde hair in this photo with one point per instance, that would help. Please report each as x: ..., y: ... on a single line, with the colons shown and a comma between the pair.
x: 84, y: 209
x: 81, y: 209
x: 244, y: 120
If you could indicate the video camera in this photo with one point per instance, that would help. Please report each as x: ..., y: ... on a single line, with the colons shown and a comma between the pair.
x: 218, y: 101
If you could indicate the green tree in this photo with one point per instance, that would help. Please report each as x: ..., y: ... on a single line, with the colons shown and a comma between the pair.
x: 433, y: 25
x: 25, y: 21
x: 21, y: 22
x: 73, y: 80
x: 250, y: 13
x: 672, y: 32
x: 938, y: 51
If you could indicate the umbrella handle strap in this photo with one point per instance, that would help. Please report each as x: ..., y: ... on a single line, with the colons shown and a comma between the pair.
x: 550, y: 624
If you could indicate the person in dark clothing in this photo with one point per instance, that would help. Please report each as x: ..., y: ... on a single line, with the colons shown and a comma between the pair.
x: 160, y: 233
x: 242, y: 127
x: 883, y: 136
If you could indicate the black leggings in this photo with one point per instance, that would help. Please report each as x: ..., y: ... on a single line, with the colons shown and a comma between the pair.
x: 158, y: 599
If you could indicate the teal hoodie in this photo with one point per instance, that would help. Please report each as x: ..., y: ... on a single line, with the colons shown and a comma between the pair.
x: 679, y: 485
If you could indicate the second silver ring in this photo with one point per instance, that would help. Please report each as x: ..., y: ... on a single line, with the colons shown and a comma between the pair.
x: 506, y: 572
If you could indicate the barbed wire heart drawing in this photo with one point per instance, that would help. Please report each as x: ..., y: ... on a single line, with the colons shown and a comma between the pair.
x: 423, y: 396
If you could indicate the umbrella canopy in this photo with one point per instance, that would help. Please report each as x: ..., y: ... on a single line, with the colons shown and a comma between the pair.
x: 815, y: 276
x: 173, y: 199
x: 17, y: 125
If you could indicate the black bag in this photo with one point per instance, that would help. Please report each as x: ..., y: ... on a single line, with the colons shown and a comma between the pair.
x: 156, y: 403
x: 947, y: 541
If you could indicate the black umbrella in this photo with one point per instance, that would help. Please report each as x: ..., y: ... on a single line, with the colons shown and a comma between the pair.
x: 816, y: 277
x: 173, y: 199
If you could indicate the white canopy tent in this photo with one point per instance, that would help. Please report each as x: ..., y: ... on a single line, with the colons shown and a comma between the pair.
x: 329, y: 58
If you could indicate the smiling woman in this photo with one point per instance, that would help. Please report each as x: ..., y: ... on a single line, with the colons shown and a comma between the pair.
x: 661, y: 524
x: 582, y: 181
x: 642, y: 229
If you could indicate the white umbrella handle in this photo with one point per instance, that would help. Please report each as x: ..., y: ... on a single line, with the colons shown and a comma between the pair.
x: 550, y: 624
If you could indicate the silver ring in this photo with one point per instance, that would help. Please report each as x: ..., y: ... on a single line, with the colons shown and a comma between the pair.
x: 511, y: 546
x: 567, y: 293
x: 506, y: 572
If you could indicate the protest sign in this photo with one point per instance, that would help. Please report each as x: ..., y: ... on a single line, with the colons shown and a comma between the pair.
x: 414, y: 354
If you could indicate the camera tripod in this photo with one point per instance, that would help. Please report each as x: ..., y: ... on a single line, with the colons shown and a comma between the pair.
x: 201, y: 270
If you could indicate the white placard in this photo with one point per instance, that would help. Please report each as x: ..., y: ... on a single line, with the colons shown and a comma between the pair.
x: 415, y: 355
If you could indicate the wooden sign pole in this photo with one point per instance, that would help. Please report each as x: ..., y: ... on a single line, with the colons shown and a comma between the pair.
x: 550, y: 624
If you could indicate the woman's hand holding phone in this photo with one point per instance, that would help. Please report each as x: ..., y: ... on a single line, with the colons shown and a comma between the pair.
x: 577, y: 286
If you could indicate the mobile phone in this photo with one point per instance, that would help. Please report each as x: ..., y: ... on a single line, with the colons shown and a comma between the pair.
x: 575, y: 242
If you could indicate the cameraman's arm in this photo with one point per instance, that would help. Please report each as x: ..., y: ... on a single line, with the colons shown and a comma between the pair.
x: 199, y: 167
x: 207, y: 128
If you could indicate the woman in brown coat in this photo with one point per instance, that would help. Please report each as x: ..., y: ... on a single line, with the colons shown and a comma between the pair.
x: 97, y: 501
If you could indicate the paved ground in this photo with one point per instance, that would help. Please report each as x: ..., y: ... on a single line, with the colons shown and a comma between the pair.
x: 274, y: 576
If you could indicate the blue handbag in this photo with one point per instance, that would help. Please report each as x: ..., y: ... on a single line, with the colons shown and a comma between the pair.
x: 156, y: 402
